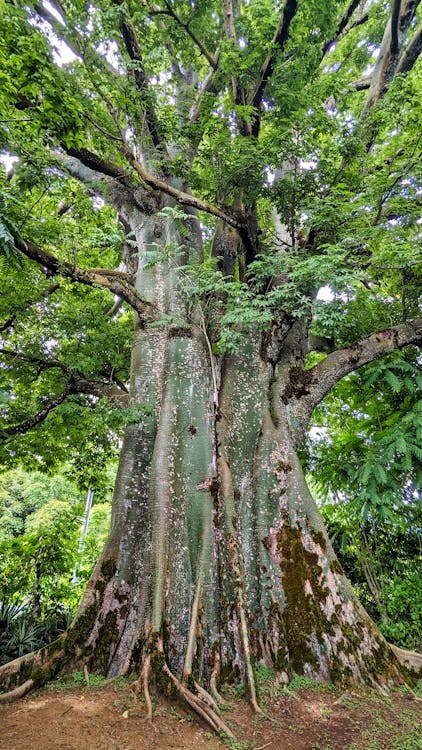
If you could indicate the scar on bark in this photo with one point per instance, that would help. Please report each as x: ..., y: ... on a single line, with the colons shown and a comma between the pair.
x: 298, y: 385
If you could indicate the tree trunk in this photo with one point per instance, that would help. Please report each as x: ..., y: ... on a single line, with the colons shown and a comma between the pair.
x: 217, y: 558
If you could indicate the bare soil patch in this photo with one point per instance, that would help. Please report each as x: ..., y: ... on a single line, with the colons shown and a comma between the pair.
x: 111, y: 717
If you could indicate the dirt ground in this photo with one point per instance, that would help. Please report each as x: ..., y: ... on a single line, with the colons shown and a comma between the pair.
x: 111, y: 717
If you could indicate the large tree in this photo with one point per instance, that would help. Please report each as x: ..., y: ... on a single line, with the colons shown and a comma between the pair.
x: 213, y: 165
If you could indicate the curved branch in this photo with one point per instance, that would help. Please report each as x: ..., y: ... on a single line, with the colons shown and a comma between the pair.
x: 116, y: 394
x: 18, y: 692
x: 146, y: 310
x: 98, y: 165
x: 108, y: 169
x: 38, y: 418
x: 106, y: 178
x: 45, y: 364
x: 185, y: 199
x: 322, y: 377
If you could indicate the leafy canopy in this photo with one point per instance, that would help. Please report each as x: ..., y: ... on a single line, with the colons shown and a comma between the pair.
x: 275, y: 129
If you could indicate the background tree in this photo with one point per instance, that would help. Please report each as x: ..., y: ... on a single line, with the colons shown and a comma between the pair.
x: 252, y: 152
x: 40, y: 525
x: 363, y: 455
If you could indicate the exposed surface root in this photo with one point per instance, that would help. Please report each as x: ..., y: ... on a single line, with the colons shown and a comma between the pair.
x: 9, y: 672
x: 142, y: 683
x: 410, y: 659
x: 16, y: 693
x: 213, y: 685
x: 205, y: 696
x: 146, y: 668
x: 19, y: 676
x: 198, y: 704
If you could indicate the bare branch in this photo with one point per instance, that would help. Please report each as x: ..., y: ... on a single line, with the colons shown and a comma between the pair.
x: 114, y: 309
x: 361, y: 85
x: 185, y: 199
x: 117, y: 395
x: 44, y: 364
x: 359, y: 22
x: 96, y: 164
x: 102, y: 130
x: 88, y: 168
x: 109, y: 169
x: 58, y: 28
x: 111, y: 272
x: 229, y: 15
x: 132, y: 47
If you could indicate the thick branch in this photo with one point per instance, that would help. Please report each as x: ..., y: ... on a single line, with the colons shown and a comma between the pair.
x: 389, y: 58
x: 72, y: 37
x: 113, y: 183
x: 101, y: 167
x: 280, y: 38
x: 146, y: 310
x: 58, y: 28
x: 336, y: 365
x: 93, y: 162
x: 184, y: 199
x: 361, y: 85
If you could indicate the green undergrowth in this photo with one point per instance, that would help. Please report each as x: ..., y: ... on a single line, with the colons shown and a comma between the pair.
x: 79, y: 680
x: 237, y: 744
x: 417, y: 690
x: 298, y: 682
x: 403, y: 734
x: 270, y: 687
x: 269, y: 682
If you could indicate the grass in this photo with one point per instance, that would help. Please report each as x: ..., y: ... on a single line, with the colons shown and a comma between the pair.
x: 79, y: 680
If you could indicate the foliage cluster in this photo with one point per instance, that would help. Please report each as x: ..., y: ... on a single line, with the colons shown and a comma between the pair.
x: 44, y: 566
x: 365, y: 464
